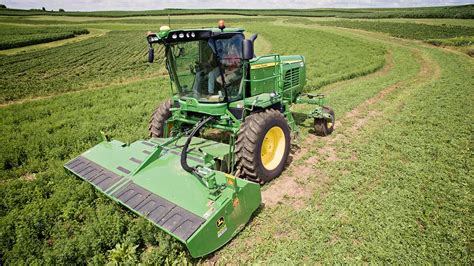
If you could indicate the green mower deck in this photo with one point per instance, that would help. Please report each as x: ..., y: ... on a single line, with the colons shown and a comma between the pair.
x: 147, y: 178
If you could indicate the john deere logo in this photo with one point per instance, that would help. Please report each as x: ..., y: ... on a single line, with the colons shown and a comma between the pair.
x: 220, y: 222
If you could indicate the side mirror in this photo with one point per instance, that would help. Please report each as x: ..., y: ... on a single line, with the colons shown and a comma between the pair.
x: 151, y: 55
x: 247, y: 50
x: 253, y: 37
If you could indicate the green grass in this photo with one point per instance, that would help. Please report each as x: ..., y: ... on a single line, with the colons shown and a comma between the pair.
x: 19, y: 36
x: 399, y: 191
x: 329, y: 57
x: 51, y: 217
x: 459, y: 12
x: 92, y: 63
x: 460, y: 35
x: 152, y: 21
x: 457, y: 41
x: 415, y: 31
x: 95, y: 62
x: 36, y: 47
x: 437, y: 21
x: 63, y: 126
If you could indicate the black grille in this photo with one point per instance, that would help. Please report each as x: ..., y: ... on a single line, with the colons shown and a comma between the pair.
x: 292, y: 78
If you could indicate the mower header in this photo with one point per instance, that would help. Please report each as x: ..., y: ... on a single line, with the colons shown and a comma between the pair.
x: 204, y: 210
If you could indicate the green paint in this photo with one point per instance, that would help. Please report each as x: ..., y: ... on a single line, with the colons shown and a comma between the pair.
x: 222, y: 200
x: 164, y: 176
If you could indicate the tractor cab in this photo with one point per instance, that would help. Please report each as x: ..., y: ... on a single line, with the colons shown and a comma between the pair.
x: 205, y: 64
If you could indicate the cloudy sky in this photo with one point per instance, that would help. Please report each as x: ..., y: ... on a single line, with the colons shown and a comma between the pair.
x: 88, y: 5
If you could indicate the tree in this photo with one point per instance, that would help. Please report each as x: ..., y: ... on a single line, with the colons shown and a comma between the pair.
x: 61, y: 10
x: 43, y: 8
x: 2, y: 6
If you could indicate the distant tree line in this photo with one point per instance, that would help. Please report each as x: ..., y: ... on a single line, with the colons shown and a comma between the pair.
x: 44, y: 9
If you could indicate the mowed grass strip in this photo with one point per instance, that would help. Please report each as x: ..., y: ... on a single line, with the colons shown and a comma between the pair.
x: 49, y: 216
x: 417, y: 31
x: 399, y: 187
x: 406, y: 196
x: 120, y: 55
x: 329, y: 57
x: 19, y: 36
x: 31, y: 48
x: 117, y: 56
x: 343, y: 99
x: 462, y: 11
x: 40, y: 136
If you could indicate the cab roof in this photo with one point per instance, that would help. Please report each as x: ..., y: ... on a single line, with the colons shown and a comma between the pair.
x: 187, y: 35
x: 214, y: 29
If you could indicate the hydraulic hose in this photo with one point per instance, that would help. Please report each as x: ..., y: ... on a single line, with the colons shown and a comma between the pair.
x: 184, y: 153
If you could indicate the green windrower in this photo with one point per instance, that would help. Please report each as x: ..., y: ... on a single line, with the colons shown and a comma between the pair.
x: 224, y: 131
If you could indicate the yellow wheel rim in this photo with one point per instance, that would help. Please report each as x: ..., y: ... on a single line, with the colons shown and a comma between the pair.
x: 273, y: 148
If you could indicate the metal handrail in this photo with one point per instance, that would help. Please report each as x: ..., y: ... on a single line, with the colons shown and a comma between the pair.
x: 277, y: 73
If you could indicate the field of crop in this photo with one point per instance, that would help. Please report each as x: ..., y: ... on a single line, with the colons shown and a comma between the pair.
x: 391, y: 185
x: 459, y: 35
x: 19, y: 36
x: 458, y: 12
x: 407, y: 30
x: 92, y: 64
x: 84, y: 65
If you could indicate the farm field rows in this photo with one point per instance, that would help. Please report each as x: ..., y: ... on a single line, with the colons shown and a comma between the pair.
x: 19, y: 36
x: 88, y: 64
x: 81, y: 65
x: 458, y: 36
x: 351, y: 188
x: 406, y: 30
x: 455, y: 34
x: 391, y: 185
x: 458, y: 12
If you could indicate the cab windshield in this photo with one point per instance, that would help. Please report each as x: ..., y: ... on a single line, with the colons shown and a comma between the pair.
x: 208, y: 70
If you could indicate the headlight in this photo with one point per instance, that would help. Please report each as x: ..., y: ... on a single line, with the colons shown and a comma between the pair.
x: 181, y: 35
x: 174, y: 36
x: 193, y: 34
x: 187, y: 35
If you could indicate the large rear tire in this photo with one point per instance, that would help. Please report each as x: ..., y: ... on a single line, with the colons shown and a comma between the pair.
x: 157, y: 123
x: 262, y: 146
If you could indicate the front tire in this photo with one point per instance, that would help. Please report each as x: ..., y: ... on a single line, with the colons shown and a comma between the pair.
x: 158, y: 119
x: 262, y: 146
x: 322, y: 126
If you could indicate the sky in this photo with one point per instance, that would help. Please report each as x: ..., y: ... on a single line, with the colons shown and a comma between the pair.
x: 90, y: 5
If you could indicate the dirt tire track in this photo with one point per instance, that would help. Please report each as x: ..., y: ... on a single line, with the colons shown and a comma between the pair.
x: 298, y: 181
x: 317, y: 181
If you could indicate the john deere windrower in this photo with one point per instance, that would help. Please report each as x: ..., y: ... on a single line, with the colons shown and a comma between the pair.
x: 224, y: 131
